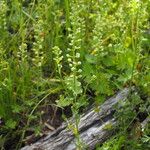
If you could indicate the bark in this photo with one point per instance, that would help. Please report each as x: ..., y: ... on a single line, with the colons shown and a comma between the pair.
x: 94, y: 128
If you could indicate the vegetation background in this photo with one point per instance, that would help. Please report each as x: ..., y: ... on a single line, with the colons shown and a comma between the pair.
x: 66, y: 54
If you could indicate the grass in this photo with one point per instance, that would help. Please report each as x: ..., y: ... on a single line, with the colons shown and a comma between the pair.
x: 53, y: 53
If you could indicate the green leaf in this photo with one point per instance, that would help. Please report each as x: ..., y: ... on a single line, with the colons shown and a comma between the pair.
x: 16, y: 108
x: 91, y: 59
x: 109, y: 61
x: 101, y: 84
x: 37, y: 130
x: 11, y: 124
x: 73, y: 85
x: 88, y: 72
x: 63, y: 102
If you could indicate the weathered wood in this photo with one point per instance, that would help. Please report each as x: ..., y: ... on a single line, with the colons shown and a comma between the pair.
x: 145, y: 123
x: 93, y: 128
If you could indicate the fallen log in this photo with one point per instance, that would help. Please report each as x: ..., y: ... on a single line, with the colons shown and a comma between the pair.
x: 93, y: 128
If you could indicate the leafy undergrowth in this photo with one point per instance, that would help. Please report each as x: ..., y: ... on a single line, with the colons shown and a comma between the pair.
x: 59, y: 56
